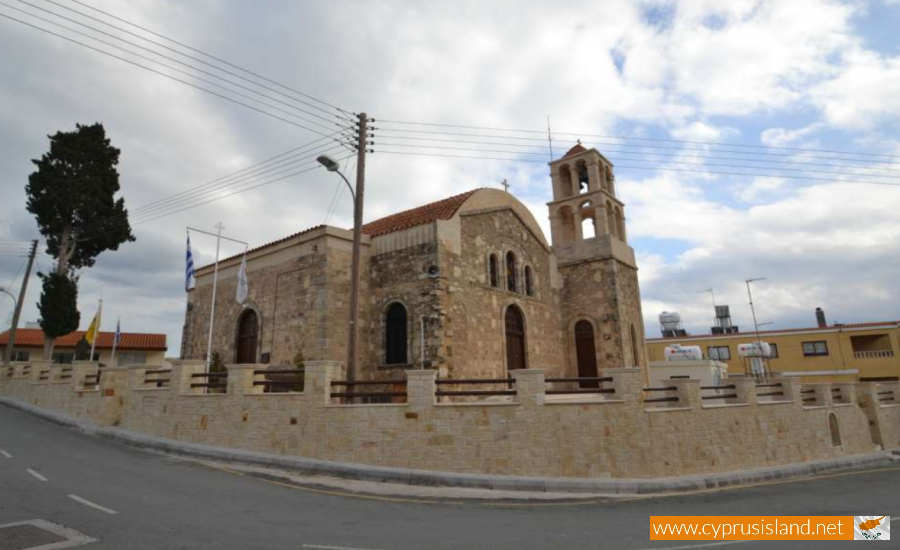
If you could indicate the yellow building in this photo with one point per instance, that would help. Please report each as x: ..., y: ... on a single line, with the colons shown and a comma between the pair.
x: 848, y: 352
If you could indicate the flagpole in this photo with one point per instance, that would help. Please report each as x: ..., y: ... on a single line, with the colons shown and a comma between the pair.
x: 212, y: 309
x: 97, y: 329
x: 112, y: 358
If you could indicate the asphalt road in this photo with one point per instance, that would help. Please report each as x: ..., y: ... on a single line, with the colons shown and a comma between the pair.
x: 131, y: 499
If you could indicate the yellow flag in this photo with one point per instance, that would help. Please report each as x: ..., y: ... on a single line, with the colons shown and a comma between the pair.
x: 93, y: 330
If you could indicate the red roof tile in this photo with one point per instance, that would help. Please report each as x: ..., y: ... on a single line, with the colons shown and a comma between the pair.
x: 578, y: 148
x: 781, y: 331
x: 440, y: 210
x: 32, y: 337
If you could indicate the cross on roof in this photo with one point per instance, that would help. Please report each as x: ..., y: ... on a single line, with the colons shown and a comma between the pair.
x: 505, y: 185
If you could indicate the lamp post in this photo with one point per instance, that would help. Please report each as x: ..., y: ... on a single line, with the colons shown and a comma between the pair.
x: 332, y: 166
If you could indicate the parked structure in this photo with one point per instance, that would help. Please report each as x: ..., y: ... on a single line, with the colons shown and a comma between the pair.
x: 467, y: 285
x: 133, y: 348
x: 839, y: 352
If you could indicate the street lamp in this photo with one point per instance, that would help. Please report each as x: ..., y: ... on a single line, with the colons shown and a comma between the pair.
x: 332, y: 166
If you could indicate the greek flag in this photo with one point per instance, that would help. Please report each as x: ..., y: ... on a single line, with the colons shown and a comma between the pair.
x: 189, y: 270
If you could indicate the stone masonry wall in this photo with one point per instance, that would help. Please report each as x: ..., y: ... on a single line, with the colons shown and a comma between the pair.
x: 618, y: 436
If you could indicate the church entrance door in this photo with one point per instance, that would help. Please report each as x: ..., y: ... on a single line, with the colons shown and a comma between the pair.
x: 515, y: 339
x: 248, y: 337
x: 586, y: 353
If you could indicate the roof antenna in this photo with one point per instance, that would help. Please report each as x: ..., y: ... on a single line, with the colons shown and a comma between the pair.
x: 549, y: 138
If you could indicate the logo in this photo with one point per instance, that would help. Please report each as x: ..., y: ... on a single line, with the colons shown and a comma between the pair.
x: 871, y: 527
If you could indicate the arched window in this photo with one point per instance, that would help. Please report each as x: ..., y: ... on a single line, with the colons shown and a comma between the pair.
x: 395, y: 335
x: 494, y: 269
x: 835, y: 430
x: 611, y: 218
x: 511, y: 271
x: 529, y: 282
x: 515, y: 339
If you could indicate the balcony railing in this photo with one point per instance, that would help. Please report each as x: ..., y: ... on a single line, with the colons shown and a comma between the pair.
x: 873, y: 354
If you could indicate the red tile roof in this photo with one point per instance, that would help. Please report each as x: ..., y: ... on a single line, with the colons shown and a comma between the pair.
x: 578, y: 148
x: 33, y: 337
x: 781, y: 331
x: 440, y: 210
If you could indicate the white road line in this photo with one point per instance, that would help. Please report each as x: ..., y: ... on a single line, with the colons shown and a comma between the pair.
x: 86, y: 502
x: 37, y: 475
x: 4, y: 453
x: 324, y: 547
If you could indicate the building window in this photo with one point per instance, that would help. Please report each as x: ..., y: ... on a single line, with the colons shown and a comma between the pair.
x: 511, y: 271
x: 529, y: 283
x: 773, y: 353
x: 815, y: 349
x: 131, y: 358
x: 395, y: 335
x: 20, y: 356
x: 719, y: 353
x: 494, y: 271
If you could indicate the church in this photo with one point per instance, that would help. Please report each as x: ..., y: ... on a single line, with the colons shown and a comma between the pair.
x: 468, y: 285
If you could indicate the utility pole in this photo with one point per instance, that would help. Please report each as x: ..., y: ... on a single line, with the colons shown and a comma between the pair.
x: 7, y: 353
x: 362, y: 143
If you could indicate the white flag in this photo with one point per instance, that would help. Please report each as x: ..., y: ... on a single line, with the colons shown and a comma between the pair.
x: 242, y: 288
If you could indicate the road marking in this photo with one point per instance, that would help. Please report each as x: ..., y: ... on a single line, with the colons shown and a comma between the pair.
x: 86, y: 502
x: 352, y: 495
x: 4, y: 453
x: 221, y: 469
x: 37, y: 475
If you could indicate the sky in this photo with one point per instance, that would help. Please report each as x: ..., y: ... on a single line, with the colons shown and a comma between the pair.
x: 815, y: 81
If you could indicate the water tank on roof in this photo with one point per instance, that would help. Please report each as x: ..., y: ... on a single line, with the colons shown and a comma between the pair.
x: 683, y: 353
x: 755, y: 349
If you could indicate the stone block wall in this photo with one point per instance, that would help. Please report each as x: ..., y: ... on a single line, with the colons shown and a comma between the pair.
x: 534, y: 434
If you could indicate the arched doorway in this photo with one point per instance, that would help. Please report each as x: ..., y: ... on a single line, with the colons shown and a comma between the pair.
x: 586, y: 353
x: 515, y: 339
x: 248, y: 337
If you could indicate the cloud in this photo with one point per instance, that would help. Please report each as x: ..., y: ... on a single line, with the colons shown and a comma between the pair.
x: 702, y: 70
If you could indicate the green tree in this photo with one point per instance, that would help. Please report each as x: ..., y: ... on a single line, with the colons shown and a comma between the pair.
x: 58, y: 308
x: 72, y: 195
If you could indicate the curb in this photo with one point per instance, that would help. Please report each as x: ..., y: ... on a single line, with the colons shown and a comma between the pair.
x: 617, y: 487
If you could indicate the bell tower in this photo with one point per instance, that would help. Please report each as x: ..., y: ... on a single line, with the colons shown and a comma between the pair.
x: 598, y: 268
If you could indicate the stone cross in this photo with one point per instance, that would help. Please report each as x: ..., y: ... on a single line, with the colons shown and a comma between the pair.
x: 505, y: 185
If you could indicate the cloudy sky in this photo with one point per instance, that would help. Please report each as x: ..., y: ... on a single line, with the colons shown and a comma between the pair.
x: 811, y: 86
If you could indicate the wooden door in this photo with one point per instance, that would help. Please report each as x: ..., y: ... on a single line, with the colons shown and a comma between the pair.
x: 586, y: 353
x: 515, y: 339
x: 248, y: 337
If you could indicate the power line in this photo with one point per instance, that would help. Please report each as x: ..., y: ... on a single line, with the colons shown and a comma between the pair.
x: 702, y: 163
x: 614, y: 148
x: 344, y: 111
x: 619, y: 137
x: 213, y: 186
x: 647, y: 168
x: 331, y: 123
x: 222, y: 96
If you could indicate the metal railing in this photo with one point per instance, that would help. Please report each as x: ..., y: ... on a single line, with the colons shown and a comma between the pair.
x: 285, y: 381
x: 376, y: 395
x: 718, y: 389
x: 509, y: 382
x: 873, y: 354
x: 770, y: 393
x: 886, y: 396
x: 667, y: 399
x: 215, y: 381
x: 159, y: 381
